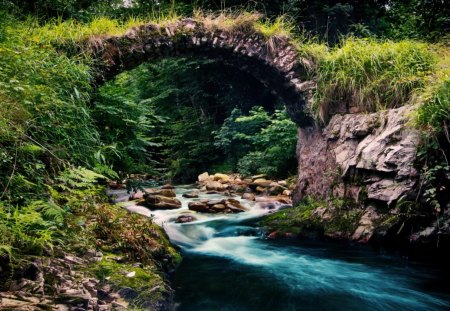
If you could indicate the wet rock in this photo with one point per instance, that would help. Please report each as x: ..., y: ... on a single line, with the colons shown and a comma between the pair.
x: 235, y: 203
x: 217, y: 206
x: 214, y: 202
x: 273, y: 235
x: 170, y: 193
x: 161, y: 202
x: 248, y: 196
x: 274, y: 202
x: 198, y: 207
x: 191, y: 195
x: 185, y: 218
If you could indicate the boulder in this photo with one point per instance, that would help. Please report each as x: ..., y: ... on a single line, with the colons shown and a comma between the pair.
x: 191, y: 195
x: 214, y: 202
x: 217, y: 206
x: 185, y: 218
x: 215, y: 185
x: 248, y: 196
x: 170, y: 193
x: 161, y: 202
x: 287, y: 193
x: 223, y: 178
x: 261, y: 182
x: 203, y: 177
x: 258, y: 176
x: 234, y: 209
x: 260, y: 189
x: 199, y: 207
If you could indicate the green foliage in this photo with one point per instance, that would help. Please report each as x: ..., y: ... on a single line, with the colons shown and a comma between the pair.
x: 159, y: 117
x: 294, y: 220
x: 125, y: 122
x: 30, y: 229
x: 77, y: 178
x: 259, y: 143
x: 44, y: 116
x: 39, y: 225
x: 371, y: 75
x: 146, y: 281
x: 339, y: 218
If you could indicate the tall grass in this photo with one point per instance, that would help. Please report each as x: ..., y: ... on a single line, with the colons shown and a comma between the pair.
x: 371, y: 75
x: 433, y: 113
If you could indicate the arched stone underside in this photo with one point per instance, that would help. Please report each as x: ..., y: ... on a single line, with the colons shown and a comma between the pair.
x: 278, y: 66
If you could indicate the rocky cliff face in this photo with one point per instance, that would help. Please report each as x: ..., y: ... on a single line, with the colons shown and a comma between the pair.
x: 356, y: 155
x: 366, y: 161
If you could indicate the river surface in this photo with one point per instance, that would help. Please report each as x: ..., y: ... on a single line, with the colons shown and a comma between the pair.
x: 229, y: 265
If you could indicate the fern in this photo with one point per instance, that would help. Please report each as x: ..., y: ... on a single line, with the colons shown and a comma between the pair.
x: 6, y: 251
x: 50, y: 211
x: 78, y: 178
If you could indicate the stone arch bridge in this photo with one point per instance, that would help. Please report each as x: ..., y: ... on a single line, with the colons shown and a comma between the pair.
x: 277, y: 65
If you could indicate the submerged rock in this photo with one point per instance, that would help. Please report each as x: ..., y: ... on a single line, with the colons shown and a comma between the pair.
x: 248, y: 196
x: 185, y: 218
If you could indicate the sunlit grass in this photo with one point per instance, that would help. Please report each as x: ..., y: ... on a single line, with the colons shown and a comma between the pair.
x: 372, y: 75
x: 433, y: 113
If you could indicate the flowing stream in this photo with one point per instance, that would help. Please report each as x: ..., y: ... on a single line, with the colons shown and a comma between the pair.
x: 228, y: 265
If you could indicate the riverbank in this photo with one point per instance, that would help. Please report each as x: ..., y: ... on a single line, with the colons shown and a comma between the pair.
x: 105, y: 259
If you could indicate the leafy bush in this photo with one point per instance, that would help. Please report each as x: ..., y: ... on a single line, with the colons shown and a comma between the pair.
x: 259, y: 143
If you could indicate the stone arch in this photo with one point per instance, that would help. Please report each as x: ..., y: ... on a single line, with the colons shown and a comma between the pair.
x: 278, y: 66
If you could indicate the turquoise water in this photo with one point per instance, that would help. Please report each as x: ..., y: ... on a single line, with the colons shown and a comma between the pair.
x: 229, y: 265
